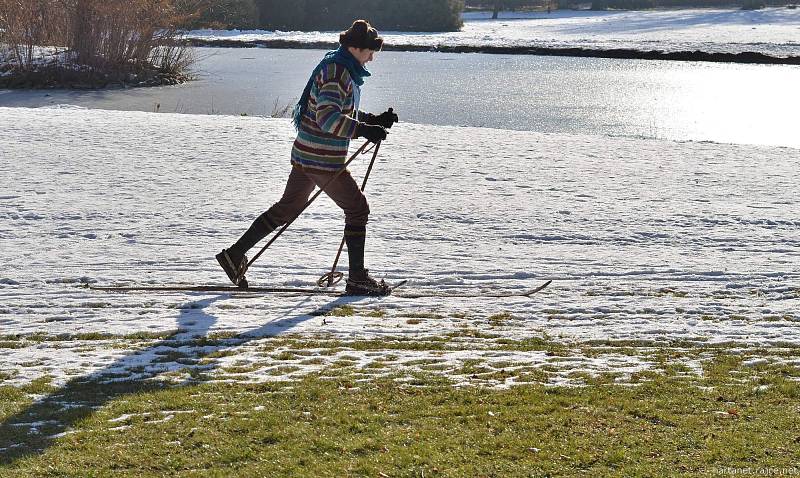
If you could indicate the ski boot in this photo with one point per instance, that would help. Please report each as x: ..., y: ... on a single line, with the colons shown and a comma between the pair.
x: 234, y: 265
x: 360, y: 283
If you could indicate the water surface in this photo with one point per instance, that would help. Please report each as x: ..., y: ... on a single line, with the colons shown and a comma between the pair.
x: 731, y: 103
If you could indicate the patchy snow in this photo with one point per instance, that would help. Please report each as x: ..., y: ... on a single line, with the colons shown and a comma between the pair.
x: 40, y: 56
x: 646, y: 240
x: 774, y: 31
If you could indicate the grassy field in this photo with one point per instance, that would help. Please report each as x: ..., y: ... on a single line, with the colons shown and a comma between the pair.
x: 735, y: 416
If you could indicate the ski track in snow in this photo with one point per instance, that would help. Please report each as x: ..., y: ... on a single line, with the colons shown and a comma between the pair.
x: 773, y: 31
x: 646, y: 240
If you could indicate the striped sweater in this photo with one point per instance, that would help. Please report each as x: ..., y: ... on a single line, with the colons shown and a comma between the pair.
x: 330, y: 121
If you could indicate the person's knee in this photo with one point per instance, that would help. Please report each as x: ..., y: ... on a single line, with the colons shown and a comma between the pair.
x: 279, y: 214
x: 359, y: 215
x: 270, y: 222
x: 366, y: 208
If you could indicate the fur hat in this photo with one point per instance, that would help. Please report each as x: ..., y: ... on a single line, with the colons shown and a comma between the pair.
x: 361, y: 35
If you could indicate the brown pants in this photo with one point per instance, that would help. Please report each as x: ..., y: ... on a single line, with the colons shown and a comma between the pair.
x: 343, y: 191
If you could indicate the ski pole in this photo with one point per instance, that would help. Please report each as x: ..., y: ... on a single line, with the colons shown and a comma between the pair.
x: 308, y: 203
x: 334, y: 277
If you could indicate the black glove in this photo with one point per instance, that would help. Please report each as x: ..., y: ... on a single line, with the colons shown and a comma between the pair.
x: 385, y: 119
x: 374, y: 133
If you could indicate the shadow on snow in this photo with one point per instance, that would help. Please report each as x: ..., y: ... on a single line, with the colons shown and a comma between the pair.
x: 56, y: 413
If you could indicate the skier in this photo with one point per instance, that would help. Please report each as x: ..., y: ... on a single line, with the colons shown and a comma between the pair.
x: 326, y: 118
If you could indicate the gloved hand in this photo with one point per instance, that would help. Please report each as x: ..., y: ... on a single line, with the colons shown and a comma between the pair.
x: 374, y: 133
x: 385, y: 119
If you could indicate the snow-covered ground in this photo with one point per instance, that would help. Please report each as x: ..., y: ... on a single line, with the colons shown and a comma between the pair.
x: 646, y: 240
x: 774, y: 31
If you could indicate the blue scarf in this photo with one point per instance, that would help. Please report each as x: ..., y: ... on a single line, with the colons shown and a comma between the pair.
x: 340, y: 56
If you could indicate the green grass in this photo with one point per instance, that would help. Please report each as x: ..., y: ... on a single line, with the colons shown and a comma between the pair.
x: 396, y: 343
x: 670, y: 424
x: 344, y: 421
x: 421, y: 315
x: 342, y: 311
x: 375, y: 313
x: 18, y: 341
x: 497, y: 320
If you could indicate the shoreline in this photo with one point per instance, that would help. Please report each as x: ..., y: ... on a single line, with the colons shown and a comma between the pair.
x: 615, y: 53
x: 70, y: 76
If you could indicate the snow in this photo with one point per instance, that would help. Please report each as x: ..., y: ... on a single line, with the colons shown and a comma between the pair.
x: 774, y: 31
x: 646, y: 240
x: 40, y: 56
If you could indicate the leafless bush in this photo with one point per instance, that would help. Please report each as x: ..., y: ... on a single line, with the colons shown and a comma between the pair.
x: 28, y: 24
x: 123, y: 34
x: 171, y: 58
x: 109, y: 40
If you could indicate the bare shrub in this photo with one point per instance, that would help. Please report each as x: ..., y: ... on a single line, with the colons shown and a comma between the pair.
x: 171, y: 58
x: 106, y: 40
x: 28, y: 24
x: 122, y: 35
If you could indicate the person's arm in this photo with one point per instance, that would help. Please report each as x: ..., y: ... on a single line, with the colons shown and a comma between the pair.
x: 331, y: 97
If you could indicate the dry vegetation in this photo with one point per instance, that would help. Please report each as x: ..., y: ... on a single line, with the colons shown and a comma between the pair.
x: 91, y: 43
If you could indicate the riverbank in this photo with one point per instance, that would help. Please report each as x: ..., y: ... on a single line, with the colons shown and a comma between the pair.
x: 56, y: 68
x: 767, y: 36
x: 76, y: 78
x: 63, y: 67
x: 749, y: 57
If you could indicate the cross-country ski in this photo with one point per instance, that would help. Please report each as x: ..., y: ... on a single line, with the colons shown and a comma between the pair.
x: 317, y: 291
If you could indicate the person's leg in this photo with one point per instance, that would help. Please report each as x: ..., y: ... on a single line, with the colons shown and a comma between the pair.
x: 348, y: 196
x: 260, y: 229
x: 295, y: 195
x: 298, y: 188
x: 233, y: 260
x: 355, y: 237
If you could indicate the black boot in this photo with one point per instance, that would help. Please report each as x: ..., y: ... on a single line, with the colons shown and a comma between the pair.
x: 235, y: 265
x: 233, y: 260
x: 355, y: 237
x: 359, y: 281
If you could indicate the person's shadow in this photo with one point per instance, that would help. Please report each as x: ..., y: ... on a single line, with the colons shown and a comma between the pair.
x: 32, y: 430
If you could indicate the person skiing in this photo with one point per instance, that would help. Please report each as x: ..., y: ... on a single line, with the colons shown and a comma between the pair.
x: 327, y: 118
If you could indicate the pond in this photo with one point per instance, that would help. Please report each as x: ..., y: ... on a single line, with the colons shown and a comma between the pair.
x: 721, y: 102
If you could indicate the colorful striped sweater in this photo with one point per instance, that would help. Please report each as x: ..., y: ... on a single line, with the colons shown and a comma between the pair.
x: 330, y: 122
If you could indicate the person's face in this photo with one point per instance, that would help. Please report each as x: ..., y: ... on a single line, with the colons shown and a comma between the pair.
x: 363, y: 55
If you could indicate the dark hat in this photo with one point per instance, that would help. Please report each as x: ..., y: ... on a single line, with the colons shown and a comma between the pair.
x: 361, y: 35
